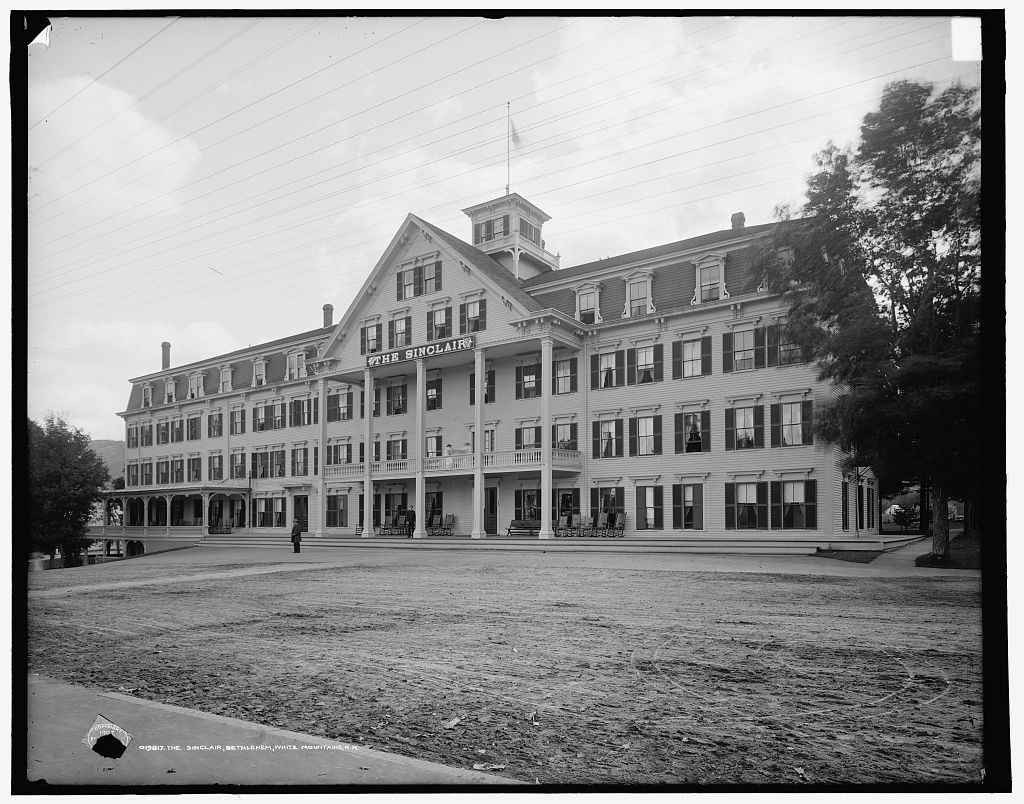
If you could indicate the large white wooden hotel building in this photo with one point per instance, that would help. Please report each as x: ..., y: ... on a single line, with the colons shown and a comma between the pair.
x: 482, y: 382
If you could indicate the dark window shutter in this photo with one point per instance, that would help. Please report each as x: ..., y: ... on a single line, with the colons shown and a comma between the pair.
x: 519, y: 504
x: 620, y: 500
x: 504, y: 224
x: 483, y: 314
x: 316, y: 410
x: 316, y: 460
x: 677, y: 360
x: 677, y: 506
x: 430, y: 325
x: 632, y: 436
x: 631, y: 367
x: 417, y: 280
x: 758, y: 426
x: 387, y: 400
x: 519, y: 382
x: 575, y: 499
x: 811, y: 504
x: 408, y: 329
x: 554, y: 436
x: 659, y: 362
x: 573, y: 384
x: 380, y: 335
x: 595, y: 501
x: 620, y: 365
x: 618, y: 438
x: 730, y: 428
x: 472, y: 389
x: 348, y: 404
x: 462, y: 319
x: 573, y: 436
x: 437, y: 275
x: 391, y: 334
x: 362, y: 404
x: 659, y: 516
x: 362, y: 340
x: 679, y: 425
x: 595, y: 363
x: 388, y: 454
x: 807, y: 423
x: 727, y: 352
x: 657, y: 435
x: 536, y: 435
x: 477, y: 233
x: 762, y: 505
x: 759, y: 347
x: 776, y: 488
x: 376, y: 450
x: 597, y: 439
x: 362, y: 452
x: 519, y: 438
x: 705, y: 431
x: 772, y: 334
x: 776, y: 425
x: 698, y: 506
x: 730, y: 506
x: 641, y: 509
x: 705, y: 355
x: 398, y: 276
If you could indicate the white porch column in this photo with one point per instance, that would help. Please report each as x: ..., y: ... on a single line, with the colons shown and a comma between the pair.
x: 367, y: 453
x: 545, y: 438
x: 321, y: 486
x: 478, y: 451
x: 420, y: 495
x: 167, y: 501
x: 206, y: 510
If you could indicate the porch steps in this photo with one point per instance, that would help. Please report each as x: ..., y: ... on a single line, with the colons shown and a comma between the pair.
x: 764, y: 545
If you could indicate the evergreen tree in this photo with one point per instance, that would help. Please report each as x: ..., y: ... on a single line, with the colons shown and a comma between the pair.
x: 884, y: 279
x: 65, y: 477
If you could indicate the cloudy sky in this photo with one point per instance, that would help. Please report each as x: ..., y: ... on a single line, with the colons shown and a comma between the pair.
x: 213, y: 182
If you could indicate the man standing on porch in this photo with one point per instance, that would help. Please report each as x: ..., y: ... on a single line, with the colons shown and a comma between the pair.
x: 297, y: 535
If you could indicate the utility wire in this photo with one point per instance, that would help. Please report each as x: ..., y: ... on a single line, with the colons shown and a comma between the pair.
x: 103, y: 74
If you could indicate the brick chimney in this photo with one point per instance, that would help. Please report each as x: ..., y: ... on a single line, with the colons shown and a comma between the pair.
x: 738, y: 219
x: 166, y: 362
x: 328, y: 315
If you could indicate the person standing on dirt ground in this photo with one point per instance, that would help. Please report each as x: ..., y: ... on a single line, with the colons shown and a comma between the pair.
x: 297, y: 535
x: 410, y: 522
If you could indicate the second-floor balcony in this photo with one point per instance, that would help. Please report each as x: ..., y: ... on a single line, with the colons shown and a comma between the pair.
x: 460, y: 463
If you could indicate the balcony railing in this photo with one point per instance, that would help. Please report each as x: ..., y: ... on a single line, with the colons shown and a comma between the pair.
x: 461, y: 462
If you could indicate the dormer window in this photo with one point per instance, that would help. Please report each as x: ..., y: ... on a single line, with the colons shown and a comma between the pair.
x: 195, y: 386
x: 296, y: 365
x: 147, y: 396
x: 225, y: 379
x: 639, y: 299
x: 168, y: 392
x: 710, y: 279
x: 588, y: 304
x: 529, y: 231
x: 259, y: 372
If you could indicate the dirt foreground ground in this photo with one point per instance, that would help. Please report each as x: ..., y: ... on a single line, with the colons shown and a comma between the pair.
x: 554, y: 668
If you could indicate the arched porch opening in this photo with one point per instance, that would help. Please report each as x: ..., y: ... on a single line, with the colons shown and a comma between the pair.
x: 157, y: 512
x: 136, y: 514
x: 135, y: 548
x: 186, y: 510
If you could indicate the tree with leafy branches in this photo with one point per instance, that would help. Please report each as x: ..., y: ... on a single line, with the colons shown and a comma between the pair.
x: 64, y: 479
x: 883, y: 274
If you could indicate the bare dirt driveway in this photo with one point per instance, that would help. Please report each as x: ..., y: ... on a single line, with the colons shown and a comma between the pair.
x: 554, y: 667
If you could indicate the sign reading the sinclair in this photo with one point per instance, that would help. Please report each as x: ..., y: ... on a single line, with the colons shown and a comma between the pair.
x: 441, y: 348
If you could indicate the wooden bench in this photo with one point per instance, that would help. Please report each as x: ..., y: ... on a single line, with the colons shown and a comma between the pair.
x: 524, y: 527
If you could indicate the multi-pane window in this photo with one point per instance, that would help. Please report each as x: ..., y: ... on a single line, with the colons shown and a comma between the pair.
x: 692, y: 429
x: 146, y: 474
x: 587, y: 301
x: 147, y: 435
x: 177, y: 470
x: 691, y: 359
x: 195, y: 428
x: 746, y: 505
x: 709, y: 283
x: 300, y: 461
x: 649, y: 514
x: 432, y: 277
x: 215, y: 425
x: 169, y: 391
x: 296, y: 365
x: 403, y: 337
x: 133, y: 475
x: 147, y: 396
x: 408, y: 284
x: 607, y: 369
x: 488, y: 388
x: 259, y: 373
x: 277, y: 463
x: 565, y: 436
x: 488, y: 440
x: 439, y: 327
x: 792, y: 423
x: 528, y: 383
x: 163, y: 432
x: 692, y: 507
x: 473, y: 316
x: 339, y: 407
x: 396, y: 400
x: 744, y: 428
x: 793, y: 511
x: 215, y: 467
x: 645, y: 364
x: 529, y: 231
x: 269, y: 512
x: 303, y: 412
x: 236, y: 422
x: 638, y: 297
x: 372, y: 344
x: 528, y: 438
x: 195, y: 386
x: 195, y: 470
x: 564, y: 376
x: 608, y: 439
x: 789, y: 352
x: 260, y: 464
x: 163, y: 472
x: 132, y: 437
x: 177, y: 431
x: 259, y: 419
x: 645, y: 435
x: 337, y: 510
x: 225, y: 380
x: 486, y: 231
x: 434, y: 394
x: 433, y: 446
x: 743, y: 350
x: 397, y: 449
x: 338, y: 454
x: 237, y: 465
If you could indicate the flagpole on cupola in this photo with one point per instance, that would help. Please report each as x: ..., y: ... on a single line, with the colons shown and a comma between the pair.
x: 508, y: 145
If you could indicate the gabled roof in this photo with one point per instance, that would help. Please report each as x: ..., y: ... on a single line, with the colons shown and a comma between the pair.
x: 648, y: 254
x: 487, y: 265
